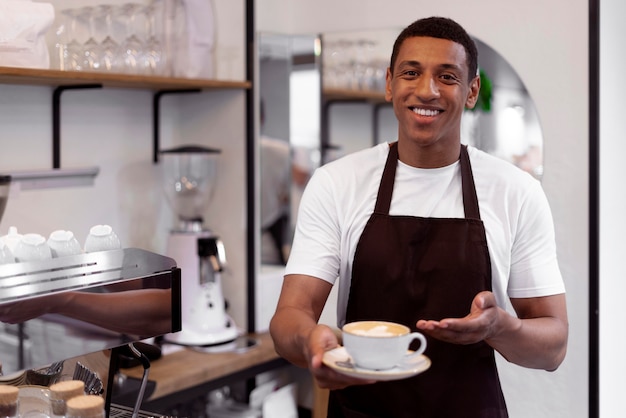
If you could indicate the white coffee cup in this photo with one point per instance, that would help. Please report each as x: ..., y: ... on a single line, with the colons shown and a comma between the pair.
x: 380, y: 345
x: 6, y: 256
x: 32, y: 247
x: 11, y: 238
x: 101, y: 238
x: 63, y: 243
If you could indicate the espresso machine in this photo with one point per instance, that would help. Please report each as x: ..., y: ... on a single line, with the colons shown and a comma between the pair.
x: 189, y: 174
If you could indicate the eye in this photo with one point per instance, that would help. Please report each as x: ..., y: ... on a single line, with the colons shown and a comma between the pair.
x: 449, y: 78
x: 410, y: 73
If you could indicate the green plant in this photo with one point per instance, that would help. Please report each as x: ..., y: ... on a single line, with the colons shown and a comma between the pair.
x: 483, y: 103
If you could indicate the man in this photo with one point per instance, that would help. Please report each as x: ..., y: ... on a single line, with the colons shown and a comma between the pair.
x: 431, y: 234
x: 275, y: 185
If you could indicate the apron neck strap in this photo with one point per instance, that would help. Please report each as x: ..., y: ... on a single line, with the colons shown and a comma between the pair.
x: 385, y: 191
x: 470, y: 200
x: 383, y: 200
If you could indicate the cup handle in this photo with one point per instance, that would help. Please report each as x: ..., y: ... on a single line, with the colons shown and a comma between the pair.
x: 416, y: 336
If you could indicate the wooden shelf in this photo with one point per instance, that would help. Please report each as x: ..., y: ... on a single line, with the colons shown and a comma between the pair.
x: 347, y: 95
x: 37, y: 77
x: 188, y: 368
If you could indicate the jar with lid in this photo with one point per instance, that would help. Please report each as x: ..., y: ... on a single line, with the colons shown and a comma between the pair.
x: 8, y: 401
x: 85, y: 406
x: 62, y: 392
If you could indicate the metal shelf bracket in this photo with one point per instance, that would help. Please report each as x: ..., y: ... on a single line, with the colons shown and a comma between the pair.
x: 56, y: 119
x: 156, y: 118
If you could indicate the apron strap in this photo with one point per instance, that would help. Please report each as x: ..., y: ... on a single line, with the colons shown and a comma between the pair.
x: 385, y: 191
x: 470, y: 200
x: 383, y: 200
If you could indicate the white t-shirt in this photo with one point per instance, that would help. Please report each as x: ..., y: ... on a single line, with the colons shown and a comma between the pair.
x: 275, y: 179
x: 340, y: 198
x: 275, y: 162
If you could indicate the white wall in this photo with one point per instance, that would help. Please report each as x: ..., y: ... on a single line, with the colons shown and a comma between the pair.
x: 612, y: 208
x: 546, y: 43
x: 112, y: 129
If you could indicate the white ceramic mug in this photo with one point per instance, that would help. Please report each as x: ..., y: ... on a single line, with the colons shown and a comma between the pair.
x: 11, y: 238
x: 101, y: 238
x: 6, y: 256
x: 63, y: 243
x: 32, y: 247
x: 380, y: 345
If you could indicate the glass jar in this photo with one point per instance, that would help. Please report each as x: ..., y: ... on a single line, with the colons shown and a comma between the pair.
x: 8, y: 401
x: 85, y: 406
x: 61, y: 392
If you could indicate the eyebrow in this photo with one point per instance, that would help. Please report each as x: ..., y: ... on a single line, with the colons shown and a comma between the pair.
x: 412, y: 63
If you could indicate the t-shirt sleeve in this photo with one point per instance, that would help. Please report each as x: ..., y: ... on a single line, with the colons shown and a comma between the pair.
x: 316, y: 244
x: 534, y: 266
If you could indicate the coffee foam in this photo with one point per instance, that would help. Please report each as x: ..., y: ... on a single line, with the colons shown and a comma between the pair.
x: 377, y: 331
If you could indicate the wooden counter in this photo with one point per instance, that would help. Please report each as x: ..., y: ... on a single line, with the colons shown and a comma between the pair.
x: 192, y: 372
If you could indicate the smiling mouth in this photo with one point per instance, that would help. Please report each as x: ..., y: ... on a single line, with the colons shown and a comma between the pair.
x: 425, y: 112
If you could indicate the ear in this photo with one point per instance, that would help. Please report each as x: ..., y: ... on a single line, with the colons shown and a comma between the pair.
x: 472, y: 96
x: 388, y: 78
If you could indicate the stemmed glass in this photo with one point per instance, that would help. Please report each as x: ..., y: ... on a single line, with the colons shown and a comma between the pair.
x: 153, y: 62
x: 72, y: 52
x: 91, y: 47
x: 62, y: 39
x: 131, y: 46
x: 109, y: 49
x: 365, y: 68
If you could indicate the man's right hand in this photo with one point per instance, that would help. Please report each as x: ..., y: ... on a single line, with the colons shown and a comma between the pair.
x: 322, y: 339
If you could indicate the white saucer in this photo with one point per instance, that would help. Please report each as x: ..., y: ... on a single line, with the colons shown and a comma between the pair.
x: 411, y: 368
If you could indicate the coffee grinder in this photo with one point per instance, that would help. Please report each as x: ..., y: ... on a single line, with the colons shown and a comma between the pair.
x: 189, y: 175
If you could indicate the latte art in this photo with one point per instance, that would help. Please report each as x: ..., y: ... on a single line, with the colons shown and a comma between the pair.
x: 377, y: 331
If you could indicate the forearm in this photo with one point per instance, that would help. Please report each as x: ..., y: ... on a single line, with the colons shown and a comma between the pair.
x: 140, y: 312
x: 290, y: 329
x: 538, y: 343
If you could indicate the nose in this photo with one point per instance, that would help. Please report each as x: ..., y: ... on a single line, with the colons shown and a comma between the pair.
x: 426, y: 87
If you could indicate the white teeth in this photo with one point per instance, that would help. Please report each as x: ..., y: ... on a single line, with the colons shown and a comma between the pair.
x: 425, y: 112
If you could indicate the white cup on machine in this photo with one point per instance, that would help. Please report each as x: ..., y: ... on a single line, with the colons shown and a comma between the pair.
x: 11, y: 238
x: 6, y: 256
x: 101, y: 238
x: 32, y: 247
x: 63, y: 243
x: 380, y: 345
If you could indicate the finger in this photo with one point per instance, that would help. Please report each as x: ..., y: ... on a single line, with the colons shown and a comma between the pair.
x: 429, y: 325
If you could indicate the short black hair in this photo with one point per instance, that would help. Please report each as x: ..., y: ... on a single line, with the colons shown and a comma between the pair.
x: 443, y: 28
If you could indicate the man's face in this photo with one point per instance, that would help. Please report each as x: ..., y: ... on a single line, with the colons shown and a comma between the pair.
x: 430, y: 89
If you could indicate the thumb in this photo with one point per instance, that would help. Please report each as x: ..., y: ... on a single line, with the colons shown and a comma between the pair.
x: 484, y: 300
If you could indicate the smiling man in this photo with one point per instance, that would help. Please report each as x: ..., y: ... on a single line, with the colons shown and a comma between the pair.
x: 430, y: 233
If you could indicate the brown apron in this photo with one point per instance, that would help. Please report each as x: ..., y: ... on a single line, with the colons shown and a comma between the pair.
x: 409, y: 268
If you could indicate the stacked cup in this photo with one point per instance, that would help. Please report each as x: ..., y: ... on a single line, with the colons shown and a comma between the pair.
x: 101, y: 238
x: 32, y: 247
x: 63, y: 243
x: 16, y: 247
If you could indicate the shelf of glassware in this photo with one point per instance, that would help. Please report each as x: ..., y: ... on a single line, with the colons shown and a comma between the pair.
x: 28, y: 76
x: 336, y: 94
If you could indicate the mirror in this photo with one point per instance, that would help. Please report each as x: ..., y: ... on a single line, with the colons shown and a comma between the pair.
x: 289, y: 124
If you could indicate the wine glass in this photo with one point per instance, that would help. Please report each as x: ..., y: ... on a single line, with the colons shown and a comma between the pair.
x: 73, y: 49
x: 132, y: 45
x: 62, y: 39
x: 91, y: 47
x: 152, y: 57
x: 109, y: 48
